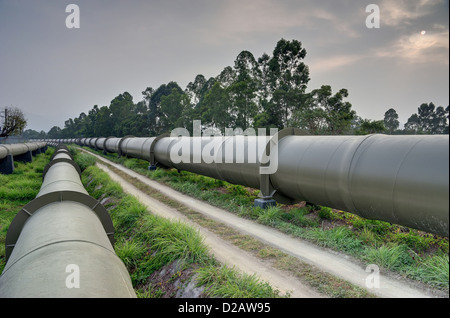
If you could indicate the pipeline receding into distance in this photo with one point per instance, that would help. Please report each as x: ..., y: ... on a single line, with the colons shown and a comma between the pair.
x: 20, y: 152
x: 399, y: 179
x: 61, y: 243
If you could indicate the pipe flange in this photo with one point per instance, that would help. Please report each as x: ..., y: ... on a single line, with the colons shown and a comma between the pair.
x: 58, y: 151
x: 152, y: 148
x: 59, y: 196
x: 104, y: 143
x: 55, y: 161
x: 8, y: 152
x: 266, y: 187
x: 95, y: 143
x: 119, y: 150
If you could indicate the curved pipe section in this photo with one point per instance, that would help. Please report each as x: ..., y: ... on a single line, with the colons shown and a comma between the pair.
x: 60, y: 244
x: 398, y: 179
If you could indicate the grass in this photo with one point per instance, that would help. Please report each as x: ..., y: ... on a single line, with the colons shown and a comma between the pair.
x: 130, y: 252
x: 411, y: 253
x: 17, y: 190
x: 395, y: 257
x: 299, y: 217
x: 222, y: 281
x: 434, y: 271
x: 147, y: 244
x: 82, y: 159
x: 269, y: 216
x: 325, y: 283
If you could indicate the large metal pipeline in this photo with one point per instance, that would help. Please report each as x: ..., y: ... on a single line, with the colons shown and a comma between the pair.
x: 20, y: 152
x: 60, y: 244
x: 399, y: 179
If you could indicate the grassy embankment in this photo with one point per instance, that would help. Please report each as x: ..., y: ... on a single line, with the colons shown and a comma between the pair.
x: 17, y: 190
x: 413, y: 254
x: 161, y: 256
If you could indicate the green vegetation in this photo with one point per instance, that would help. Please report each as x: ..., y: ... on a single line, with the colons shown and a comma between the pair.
x: 225, y: 282
x: 266, y: 92
x: 323, y: 282
x: 410, y: 253
x: 17, y: 190
x: 82, y: 159
x: 148, y: 245
x: 429, y: 119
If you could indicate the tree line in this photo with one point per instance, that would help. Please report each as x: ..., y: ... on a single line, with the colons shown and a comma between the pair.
x: 265, y: 92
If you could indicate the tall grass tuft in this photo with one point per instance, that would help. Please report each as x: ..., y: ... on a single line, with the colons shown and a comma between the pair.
x: 130, y: 252
x: 270, y: 216
x: 174, y: 240
x: 396, y: 257
x: 224, y: 282
x: 434, y: 271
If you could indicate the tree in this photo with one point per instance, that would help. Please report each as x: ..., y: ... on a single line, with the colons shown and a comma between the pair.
x: 69, y: 128
x: 153, y: 98
x: 172, y: 110
x: 391, y: 122
x: 139, y: 118
x: 288, y: 77
x: 269, y: 117
x: 243, y: 89
x: 217, y: 112
x: 196, y: 90
x: 368, y: 127
x: 33, y: 134
x: 426, y: 117
x: 327, y: 113
x: 428, y: 120
x: 313, y: 117
x: 90, y: 122
x: 413, y: 124
x: 270, y: 114
x: 103, y: 123
x: 14, y: 122
x: 226, y: 77
x: 54, y: 132
x: 121, y: 110
x: 440, y: 121
x: 446, y: 129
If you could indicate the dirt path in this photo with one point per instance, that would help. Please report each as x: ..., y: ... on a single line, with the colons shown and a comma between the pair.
x: 332, y: 262
x: 223, y: 251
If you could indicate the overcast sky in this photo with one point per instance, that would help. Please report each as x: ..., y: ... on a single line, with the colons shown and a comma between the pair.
x: 54, y: 73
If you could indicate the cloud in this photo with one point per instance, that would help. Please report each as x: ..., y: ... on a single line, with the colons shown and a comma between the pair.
x: 129, y: 45
x: 329, y: 64
x: 404, y: 12
x: 235, y: 20
x: 428, y: 47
